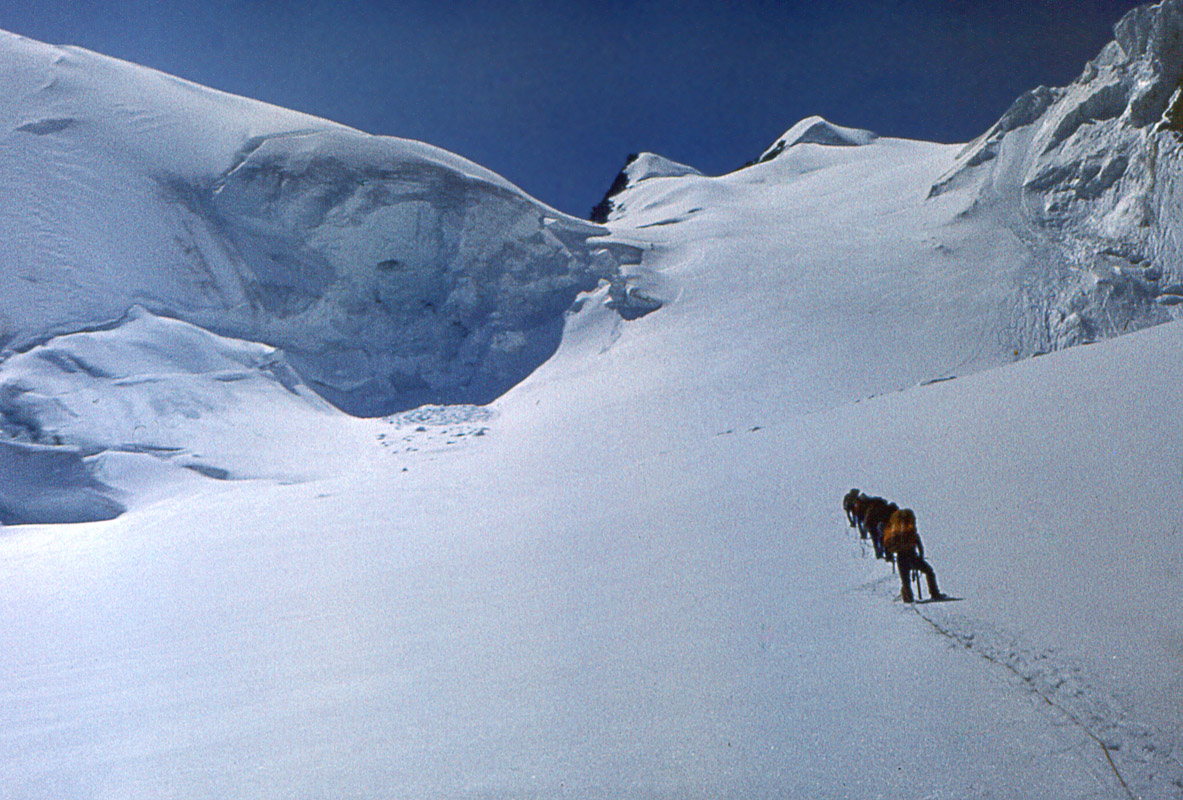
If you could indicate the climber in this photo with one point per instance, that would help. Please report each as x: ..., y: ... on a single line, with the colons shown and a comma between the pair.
x: 875, y: 516
x: 848, y: 505
x: 862, y: 507
x: 900, y: 538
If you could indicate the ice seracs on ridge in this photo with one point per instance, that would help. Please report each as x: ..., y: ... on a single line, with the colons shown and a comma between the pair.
x: 1089, y: 175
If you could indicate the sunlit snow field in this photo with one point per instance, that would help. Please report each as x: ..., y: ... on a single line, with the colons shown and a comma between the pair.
x: 630, y: 574
x: 559, y: 607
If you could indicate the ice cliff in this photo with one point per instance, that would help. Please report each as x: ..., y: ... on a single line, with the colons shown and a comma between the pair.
x: 392, y: 273
x: 1089, y: 176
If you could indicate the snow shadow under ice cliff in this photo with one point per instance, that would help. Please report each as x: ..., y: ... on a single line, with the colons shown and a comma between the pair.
x: 391, y: 283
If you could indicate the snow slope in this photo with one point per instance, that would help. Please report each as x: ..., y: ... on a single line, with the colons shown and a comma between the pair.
x: 1080, y: 184
x: 168, y: 389
x: 821, y: 276
x: 630, y: 575
x: 593, y: 605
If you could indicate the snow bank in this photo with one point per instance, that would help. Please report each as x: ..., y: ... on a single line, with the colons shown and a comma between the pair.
x: 169, y: 390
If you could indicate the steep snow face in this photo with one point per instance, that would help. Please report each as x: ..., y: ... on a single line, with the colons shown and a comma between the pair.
x: 1090, y: 177
x: 392, y: 272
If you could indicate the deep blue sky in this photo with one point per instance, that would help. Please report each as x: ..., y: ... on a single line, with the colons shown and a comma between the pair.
x: 553, y: 95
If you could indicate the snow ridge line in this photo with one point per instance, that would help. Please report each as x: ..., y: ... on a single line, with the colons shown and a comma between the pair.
x: 1057, y: 685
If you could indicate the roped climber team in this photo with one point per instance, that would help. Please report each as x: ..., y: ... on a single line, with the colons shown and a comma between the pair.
x: 892, y: 531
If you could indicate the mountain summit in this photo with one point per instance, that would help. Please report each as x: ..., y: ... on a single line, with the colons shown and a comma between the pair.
x: 816, y: 130
x: 638, y: 167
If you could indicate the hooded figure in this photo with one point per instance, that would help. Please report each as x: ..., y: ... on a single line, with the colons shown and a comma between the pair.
x: 900, y: 538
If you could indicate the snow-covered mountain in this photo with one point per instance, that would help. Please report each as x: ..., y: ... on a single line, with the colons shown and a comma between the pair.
x: 392, y: 273
x: 629, y: 574
x: 1089, y: 177
x: 824, y: 275
x: 638, y: 167
x: 1081, y: 182
x: 815, y: 130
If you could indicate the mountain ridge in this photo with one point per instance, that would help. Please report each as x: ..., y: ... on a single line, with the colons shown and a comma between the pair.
x: 1086, y: 176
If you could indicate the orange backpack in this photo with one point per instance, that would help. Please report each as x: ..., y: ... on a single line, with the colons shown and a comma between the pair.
x: 899, y: 534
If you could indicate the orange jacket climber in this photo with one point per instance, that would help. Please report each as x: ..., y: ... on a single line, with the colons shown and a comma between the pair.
x: 900, y: 537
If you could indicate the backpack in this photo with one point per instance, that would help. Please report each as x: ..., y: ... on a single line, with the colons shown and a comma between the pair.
x: 899, y: 534
x: 876, y: 513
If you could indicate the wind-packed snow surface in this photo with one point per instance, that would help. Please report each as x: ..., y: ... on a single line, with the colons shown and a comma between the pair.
x: 630, y: 575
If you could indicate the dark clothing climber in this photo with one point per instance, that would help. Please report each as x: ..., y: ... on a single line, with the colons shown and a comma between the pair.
x: 909, y: 562
x: 849, y: 503
x: 875, y: 519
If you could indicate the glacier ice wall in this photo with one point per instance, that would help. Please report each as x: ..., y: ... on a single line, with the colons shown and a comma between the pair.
x: 389, y: 282
x: 391, y: 272
x: 1089, y: 176
x: 46, y: 484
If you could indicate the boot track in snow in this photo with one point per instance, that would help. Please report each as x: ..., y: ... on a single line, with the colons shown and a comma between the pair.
x: 1147, y: 769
